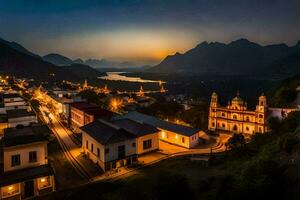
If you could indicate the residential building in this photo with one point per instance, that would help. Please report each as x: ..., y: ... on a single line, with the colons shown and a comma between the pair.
x: 20, y: 117
x: 83, y: 113
x: 146, y: 135
x: 14, y: 101
x: 26, y: 172
x: 236, y: 117
x: 3, y: 124
x: 108, y: 145
x: 175, y: 134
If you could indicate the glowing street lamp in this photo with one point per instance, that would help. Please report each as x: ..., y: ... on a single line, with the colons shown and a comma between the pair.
x: 115, y: 104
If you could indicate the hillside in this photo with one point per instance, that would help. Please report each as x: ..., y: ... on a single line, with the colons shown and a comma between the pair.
x: 57, y: 59
x: 18, y: 47
x: 20, y: 64
x: 84, y: 71
x: 240, y: 57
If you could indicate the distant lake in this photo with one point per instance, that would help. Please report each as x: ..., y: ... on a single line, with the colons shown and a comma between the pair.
x: 116, y: 76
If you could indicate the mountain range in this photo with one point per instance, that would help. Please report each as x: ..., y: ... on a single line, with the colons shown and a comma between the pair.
x: 18, y: 61
x: 240, y: 57
x: 61, y: 60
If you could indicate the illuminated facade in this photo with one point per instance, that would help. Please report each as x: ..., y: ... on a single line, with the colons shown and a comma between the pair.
x: 236, y: 118
x: 26, y: 172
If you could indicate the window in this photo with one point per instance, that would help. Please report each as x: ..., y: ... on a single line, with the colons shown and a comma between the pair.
x: 213, y: 124
x: 260, y: 116
x: 15, y: 160
x: 247, y: 119
x: 106, y: 150
x: 223, y: 114
x: 247, y: 128
x: 133, y: 144
x: 147, y: 144
x: 234, y: 117
x: 44, y: 182
x: 92, y: 147
x: 235, y: 128
x: 260, y: 129
x: 87, y: 144
x: 98, y: 152
x: 182, y: 140
x: 223, y: 125
x: 32, y: 156
x: 10, y: 190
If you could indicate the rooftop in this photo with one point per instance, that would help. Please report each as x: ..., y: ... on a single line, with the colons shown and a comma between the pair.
x: 26, y: 135
x: 19, y: 113
x: 11, y: 95
x: 18, y: 176
x: 158, y: 123
x: 83, y: 105
x: 99, y: 113
x: 136, y: 128
x: 106, y: 133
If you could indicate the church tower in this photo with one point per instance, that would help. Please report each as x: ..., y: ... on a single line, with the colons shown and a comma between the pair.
x: 212, y: 121
x: 261, y: 113
x: 214, y: 100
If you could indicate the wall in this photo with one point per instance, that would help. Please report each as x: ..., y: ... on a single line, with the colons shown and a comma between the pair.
x: 113, y: 149
x: 25, y: 121
x: 155, y: 143
x: 176, y: 139
x: 23, y: 150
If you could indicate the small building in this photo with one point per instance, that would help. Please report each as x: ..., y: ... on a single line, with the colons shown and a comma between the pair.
x: 146, y: 135
x: 83, y: 113
x: 14, y: 101
x: 175, y: 134
x: 26, y: 172
x: 20, y: 117
x: 108, y: 145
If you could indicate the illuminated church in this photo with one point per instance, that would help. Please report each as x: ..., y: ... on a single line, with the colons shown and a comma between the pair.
x: 236, y: 118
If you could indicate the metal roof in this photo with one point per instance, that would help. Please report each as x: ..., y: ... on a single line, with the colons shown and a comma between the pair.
x: 168, y: 126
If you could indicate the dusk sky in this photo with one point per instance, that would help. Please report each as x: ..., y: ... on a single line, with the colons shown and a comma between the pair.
x: 144, y: 30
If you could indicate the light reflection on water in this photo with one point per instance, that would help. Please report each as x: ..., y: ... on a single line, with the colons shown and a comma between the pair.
x: 116, y: 76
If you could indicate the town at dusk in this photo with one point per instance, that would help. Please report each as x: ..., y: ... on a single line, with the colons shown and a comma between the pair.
x: 149, y: 99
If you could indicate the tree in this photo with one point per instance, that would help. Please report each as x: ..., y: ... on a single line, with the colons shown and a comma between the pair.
x: 237, y: 141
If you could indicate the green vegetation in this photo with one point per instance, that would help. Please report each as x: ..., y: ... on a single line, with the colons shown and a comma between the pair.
x: 92, y: 97
x: 285, y: 94
x: 196, y: 116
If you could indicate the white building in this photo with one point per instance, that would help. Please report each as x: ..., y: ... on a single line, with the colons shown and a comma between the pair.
x: 175, y: 134
x: 108, y: 145
x: 26, y: 172
x: 20, y: 117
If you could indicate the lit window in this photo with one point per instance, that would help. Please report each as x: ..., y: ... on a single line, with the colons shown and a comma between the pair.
x: 163, y: 134
x: 10, y: 190
x: 176, y: 136
x: 44, y: 182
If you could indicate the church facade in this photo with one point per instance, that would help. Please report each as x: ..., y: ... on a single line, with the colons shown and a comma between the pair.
x: 236, y: 117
